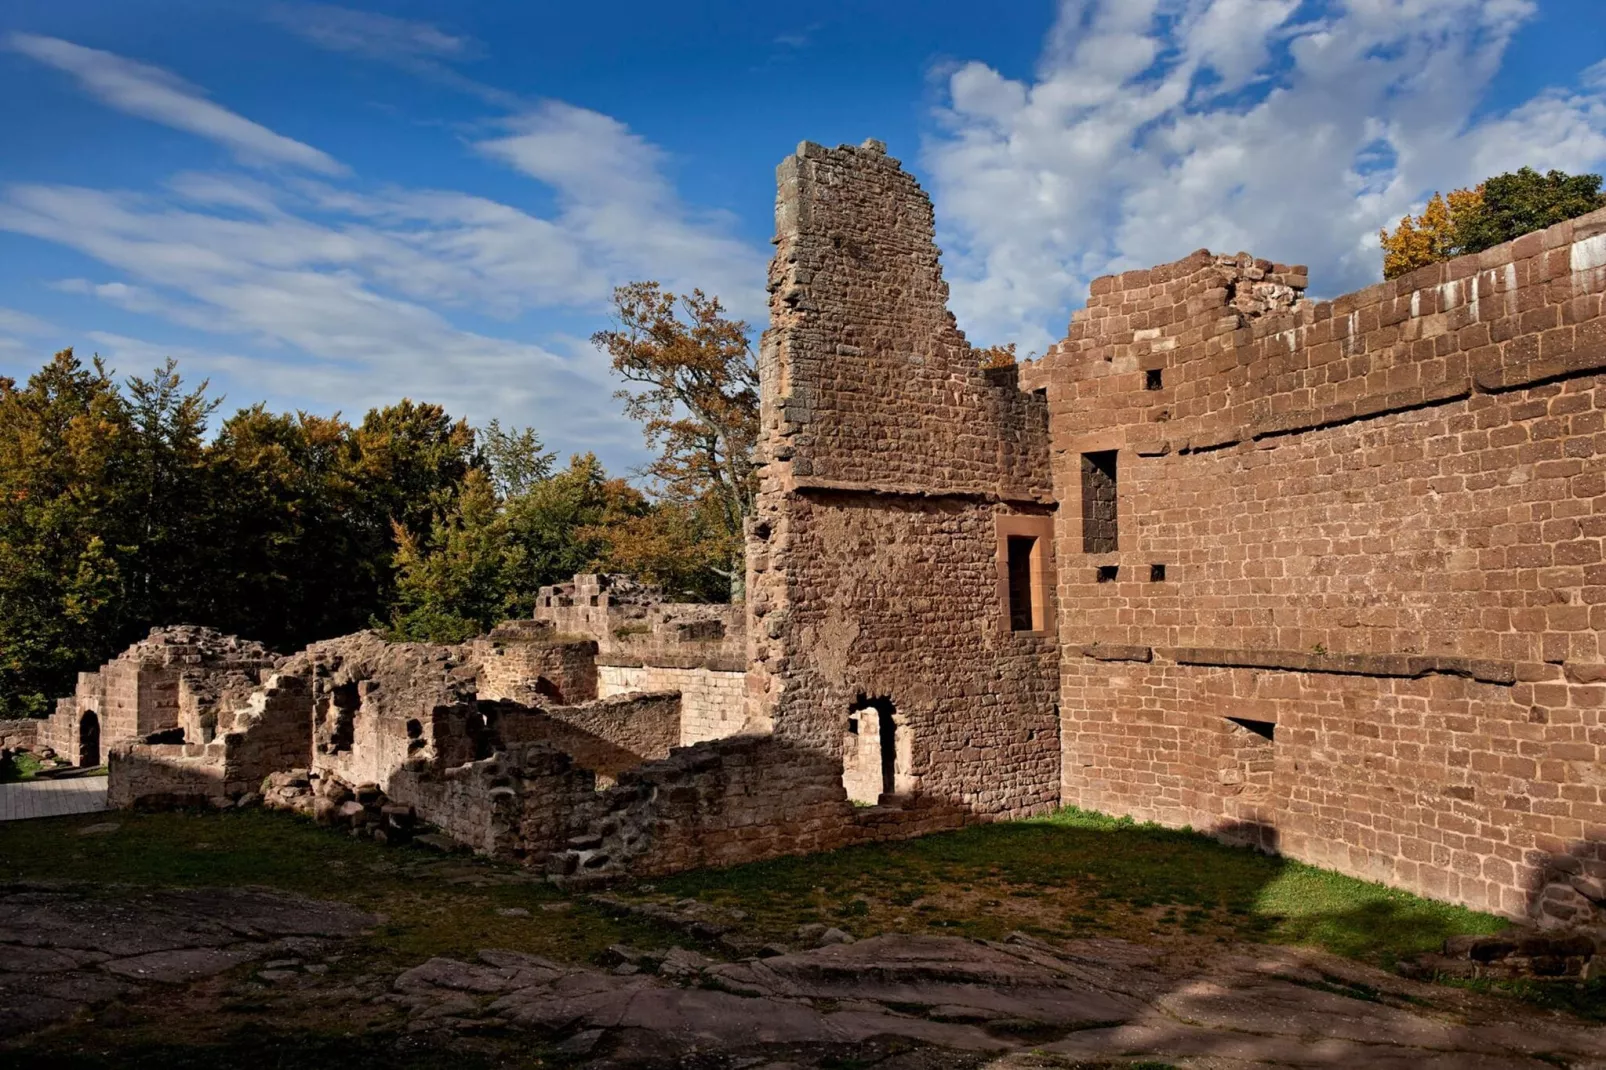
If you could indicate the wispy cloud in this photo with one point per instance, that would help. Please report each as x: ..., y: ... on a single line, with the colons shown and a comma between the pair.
x: 320, y: 294
x: 421, y: 48
x: 1154, y: 127
x: 154, y: 94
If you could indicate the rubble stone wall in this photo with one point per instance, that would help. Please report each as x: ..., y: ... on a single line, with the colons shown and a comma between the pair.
x: 1370, y: 529
x: 273, y: 732
x: 139, y: 692
x: 890, y: 459
x: 21, y: 735
x: 711, y: 694
x: 515, y: 805
x: 727, y: 802
x: 524, y: 661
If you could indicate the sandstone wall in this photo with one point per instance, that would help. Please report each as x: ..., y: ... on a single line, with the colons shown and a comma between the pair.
x: 525, y: 662
x: 727, y: 802
x: 20, y: 735
x: 711, y: 693
x: 272, y: 732
x: 139, y: 692
x: 515, y: 805
x: 1378, y: 528
x: 892, y: 465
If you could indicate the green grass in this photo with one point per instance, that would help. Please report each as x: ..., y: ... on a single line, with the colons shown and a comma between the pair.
x: 19, y: 767
x: 433, y: 904
x: 1078, y: 873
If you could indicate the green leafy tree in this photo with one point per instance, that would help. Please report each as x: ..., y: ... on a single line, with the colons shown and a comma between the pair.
x: 1524, y: 201
x: 68, y: 529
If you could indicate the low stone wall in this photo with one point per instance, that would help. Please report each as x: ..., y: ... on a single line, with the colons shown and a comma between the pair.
x: 516, y: 805
x: 159, y: 776
x: 21, y: 735
x: 644, y: 725
x: 524, y: 661
x: 273, y: 733
x: 711, y: 692
x: 727, y: 802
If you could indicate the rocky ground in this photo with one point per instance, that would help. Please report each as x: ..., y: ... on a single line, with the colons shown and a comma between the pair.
x: 899, y: 1002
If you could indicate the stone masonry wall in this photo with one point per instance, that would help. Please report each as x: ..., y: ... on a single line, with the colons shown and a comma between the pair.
x: 20, y: 735
x: 139, y: 692
x: 711, y: 699
x: 890, y: 461
x: 272, y: 732
x: 1370, y: 529
x: 524, y: 661
x: 723, y: 803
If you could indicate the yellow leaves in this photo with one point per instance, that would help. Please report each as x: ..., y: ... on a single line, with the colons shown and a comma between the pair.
x: 1431, y: 237
x: 997, y: 356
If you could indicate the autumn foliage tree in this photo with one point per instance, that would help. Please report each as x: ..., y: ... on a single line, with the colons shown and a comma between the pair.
x: 695, y: 391
x: 1471, y: 220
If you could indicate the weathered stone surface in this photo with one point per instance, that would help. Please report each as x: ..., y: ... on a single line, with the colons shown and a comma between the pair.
x: 1091, y: 999
x: 62, y: 948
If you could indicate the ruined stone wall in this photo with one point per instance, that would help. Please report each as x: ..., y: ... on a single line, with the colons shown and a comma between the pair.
x: 525, y: 662
x: 21, y: 735
x: 271, y: 732
x: 892, y: 465
x: 515, y: 805
x: 711, y: 693
x: 727, y: 802
x: 615, y: 733
x: 1370, y: 529
x: 139, y: 692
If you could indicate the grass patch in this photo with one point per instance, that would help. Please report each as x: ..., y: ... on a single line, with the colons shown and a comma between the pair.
x: 19, y: 767
x: 1076, y: 873
x: 432, y: 904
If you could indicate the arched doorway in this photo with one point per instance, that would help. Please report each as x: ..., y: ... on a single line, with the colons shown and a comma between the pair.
x: 89, y: 740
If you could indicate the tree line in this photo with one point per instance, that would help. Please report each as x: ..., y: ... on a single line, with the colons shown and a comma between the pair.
x: 120, y: 508
x: 1498, y: 210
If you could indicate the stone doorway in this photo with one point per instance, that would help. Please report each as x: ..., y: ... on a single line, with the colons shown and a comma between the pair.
x: 89, y: 740
x: 875, y: 751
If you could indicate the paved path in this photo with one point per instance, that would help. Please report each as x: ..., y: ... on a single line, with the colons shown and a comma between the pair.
x: 52, y: 798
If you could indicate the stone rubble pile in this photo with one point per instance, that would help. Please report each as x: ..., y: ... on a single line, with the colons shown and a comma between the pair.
x: 361, y: 808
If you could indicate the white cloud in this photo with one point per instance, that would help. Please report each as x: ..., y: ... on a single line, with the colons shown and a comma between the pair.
x: 333, y: 296
x: 16, y: 322
x: 1154, y: 127
x: 152, y: 93
x: 616, y: 202
x: 368, y: 33
x: 420, y: 48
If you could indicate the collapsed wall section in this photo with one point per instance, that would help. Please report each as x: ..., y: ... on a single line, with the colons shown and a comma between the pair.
x: 176, y: 676
x: 895, y: 473
x: 1349, y: 601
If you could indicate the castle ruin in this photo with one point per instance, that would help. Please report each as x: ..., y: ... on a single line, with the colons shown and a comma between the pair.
x: 1321, y: 577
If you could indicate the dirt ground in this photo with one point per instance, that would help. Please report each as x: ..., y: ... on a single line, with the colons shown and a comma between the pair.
x: 251, y: 939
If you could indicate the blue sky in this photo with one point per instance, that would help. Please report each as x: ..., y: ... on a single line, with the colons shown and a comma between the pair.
x: 330, y: 207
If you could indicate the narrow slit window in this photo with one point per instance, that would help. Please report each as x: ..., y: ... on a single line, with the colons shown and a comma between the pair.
x: 1156, y: 573
x: 1099, y: 534
x: 1153, y: 379
x: 1021, y: 611
x: 1108, y: 573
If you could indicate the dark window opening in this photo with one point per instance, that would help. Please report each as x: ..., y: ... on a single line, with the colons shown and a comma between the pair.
x: 1108, y: 573
x: 1156, y: 573
x: 1153, y: 379
x: 1099, y: 534
x: 889, y: 749
x: 345, y: 701
x: 1263, y: 729
x: 548, y: 690
x: 89, y: 739
x: 1020, y: 549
